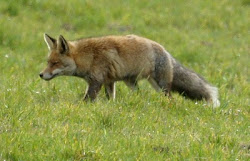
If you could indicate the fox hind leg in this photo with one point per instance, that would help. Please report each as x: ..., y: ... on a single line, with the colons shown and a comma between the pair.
x: 132, y: 84
x: 154, y: 84
x: 161, y: 86
x: 163, y: 75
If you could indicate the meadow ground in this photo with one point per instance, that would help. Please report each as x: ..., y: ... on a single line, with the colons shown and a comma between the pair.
x: 42, y: 120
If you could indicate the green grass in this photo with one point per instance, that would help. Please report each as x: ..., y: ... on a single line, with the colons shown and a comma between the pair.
x: 48, y: 121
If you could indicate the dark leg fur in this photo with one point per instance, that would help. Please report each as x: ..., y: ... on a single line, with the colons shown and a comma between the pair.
x: 163, y: 75
x: 93, y: 90
x: 132, y: 83
x: 110, y: 90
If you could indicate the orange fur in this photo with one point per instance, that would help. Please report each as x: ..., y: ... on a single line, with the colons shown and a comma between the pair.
x: 105, y: 60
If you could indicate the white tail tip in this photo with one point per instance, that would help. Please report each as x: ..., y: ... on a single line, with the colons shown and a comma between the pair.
x: 213, y: 96
x: 216, y: 103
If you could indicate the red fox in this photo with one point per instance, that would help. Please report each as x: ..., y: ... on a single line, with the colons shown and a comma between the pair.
x: 105, y: 60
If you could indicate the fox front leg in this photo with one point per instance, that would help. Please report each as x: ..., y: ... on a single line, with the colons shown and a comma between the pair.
x: 110, y: 90
x: 92, y: 91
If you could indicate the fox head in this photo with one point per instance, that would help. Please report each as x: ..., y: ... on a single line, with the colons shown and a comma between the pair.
x: 60, y: 61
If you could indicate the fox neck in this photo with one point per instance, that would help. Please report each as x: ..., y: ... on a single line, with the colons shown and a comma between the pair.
x: 81, y: 58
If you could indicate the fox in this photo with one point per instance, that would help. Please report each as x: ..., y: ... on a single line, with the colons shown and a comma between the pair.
x: 102, y: 61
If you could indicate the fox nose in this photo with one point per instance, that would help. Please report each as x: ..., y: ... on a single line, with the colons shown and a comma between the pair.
x: 41, y: 75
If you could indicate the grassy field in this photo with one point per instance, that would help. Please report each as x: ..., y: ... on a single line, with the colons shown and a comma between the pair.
x: 42, y: 120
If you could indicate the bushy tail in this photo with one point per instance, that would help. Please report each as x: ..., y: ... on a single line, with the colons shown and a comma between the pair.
x: 192, y: 85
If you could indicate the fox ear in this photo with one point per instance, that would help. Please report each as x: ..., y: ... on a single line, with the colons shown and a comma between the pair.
x: 51, y: 42
x: 62, y: 45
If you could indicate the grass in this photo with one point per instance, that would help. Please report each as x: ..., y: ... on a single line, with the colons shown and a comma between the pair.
x: 48, y: 121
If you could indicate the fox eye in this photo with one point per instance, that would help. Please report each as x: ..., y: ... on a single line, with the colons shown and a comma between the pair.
x: 53, y: 63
